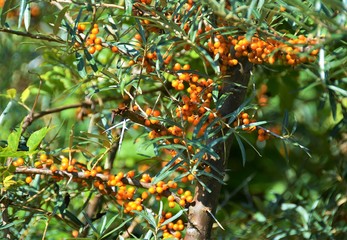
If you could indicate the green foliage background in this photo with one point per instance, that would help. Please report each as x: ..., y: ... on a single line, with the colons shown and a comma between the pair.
x: 282, y: 191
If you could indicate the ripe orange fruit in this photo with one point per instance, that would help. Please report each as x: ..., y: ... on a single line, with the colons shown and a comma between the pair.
x: 92, y: 50
x: 74, y: 233
x: 114, y: 49
x: 28, y: 179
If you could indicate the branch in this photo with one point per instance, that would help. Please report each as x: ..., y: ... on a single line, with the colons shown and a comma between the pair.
x: 103, y: 5
x: 137, y: 118
x: 33, y: 36
x: 80, y: 175
x: 202, y: 211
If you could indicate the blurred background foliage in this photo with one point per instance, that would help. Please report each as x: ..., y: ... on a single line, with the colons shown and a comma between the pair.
x: 281, y: 192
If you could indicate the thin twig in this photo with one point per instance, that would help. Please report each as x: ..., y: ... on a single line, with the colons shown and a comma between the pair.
x: 38, y: 36
x: 80, y: 175
x: 103, y: 5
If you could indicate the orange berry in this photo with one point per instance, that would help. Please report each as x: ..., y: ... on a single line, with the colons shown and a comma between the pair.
x: 184, y: 179
x: 187, y: 193
x: 98, y: 169
x: 81, y: 27
x: 114, y: 49
x: 152, y: 190
x: 38, y: 164
x: 172, y: 204
x: 138, y: 37
x: 92, y: 50
x: 186, y: 67
x: 131, y: 62
x: 189, y: 199
x: 43, y: 157
x: 144, y: 195
x: 86, y: 173
x: 101, y: 187
x: 245, y: 121
x: 98, y: 47
x: 171, y: 198
x: 28, y: 179
x: 159, y: 189
x: 180, y: 86
x: 70, y: 168
x: 172, y: 184
x: 177, y: 234
x: 74, y: 233
x: 131, y: 174
x: 175, y: 83
x: 190, y: 177
x: 95, y: 30
x: 92, y: 37
x: 180, y: 191
x: 98, y: 41
x: 20, y: 161
x: 49, y: 162
x: 177, y: 67
x: 93, y: 173
x: 244, y: 115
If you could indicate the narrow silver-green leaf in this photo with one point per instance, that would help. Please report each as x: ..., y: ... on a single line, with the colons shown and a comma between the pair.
x: 23, y: 5
x: 27, y: 17
x: 59, y: 19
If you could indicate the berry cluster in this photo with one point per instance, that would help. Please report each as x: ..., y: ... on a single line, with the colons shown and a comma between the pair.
x: 198, y: 101
x: 243, y: 120
x: 93, y: 42
x: 127, y: 194
x: 172, y: 229
x: 259, y: 51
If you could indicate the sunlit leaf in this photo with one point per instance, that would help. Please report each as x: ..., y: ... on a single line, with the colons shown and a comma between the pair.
x: 36, y: 138
x: 27, y: 16
x: 11, y: 93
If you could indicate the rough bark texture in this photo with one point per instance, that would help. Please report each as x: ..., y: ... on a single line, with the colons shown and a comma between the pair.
x: 203, y: 208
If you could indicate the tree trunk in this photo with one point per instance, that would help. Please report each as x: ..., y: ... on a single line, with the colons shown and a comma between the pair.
x: 202, y: 210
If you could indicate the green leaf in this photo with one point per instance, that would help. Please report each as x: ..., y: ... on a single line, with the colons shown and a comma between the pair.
x: 128, y: 7
x: 12, y: 223
x: 11, y: 93
x: 242, y: 149
x: 147, y: 214
x: 25, y: 94
x: 60, y: 17
x: 91, y: 60
x: 173, y: 218
x: 23, y: 5
x: 13, y: 140
x: 8, y: 182
x: 90, y: 223
x: 27, y: 17
x: 114, y: 229
x: 80, y: 65
x: 36, y: 138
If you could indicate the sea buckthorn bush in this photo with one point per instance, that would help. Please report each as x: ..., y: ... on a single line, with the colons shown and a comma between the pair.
x: 173, y: 119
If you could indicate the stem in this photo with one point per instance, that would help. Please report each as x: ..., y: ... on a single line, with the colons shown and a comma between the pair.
x: 205, y: 202
x: 33, y: 36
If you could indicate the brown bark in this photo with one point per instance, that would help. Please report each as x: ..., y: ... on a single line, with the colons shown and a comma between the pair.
x: 203, y: 208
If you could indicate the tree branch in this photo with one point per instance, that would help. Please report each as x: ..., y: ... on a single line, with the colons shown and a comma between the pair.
x: 33, y: 36
x: 80, y: 175
x: 205, y: 202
